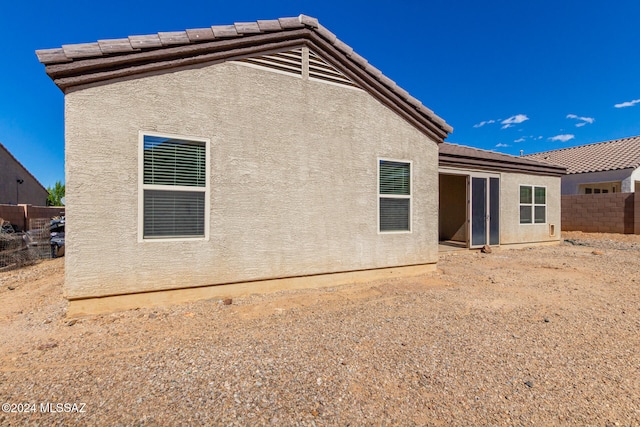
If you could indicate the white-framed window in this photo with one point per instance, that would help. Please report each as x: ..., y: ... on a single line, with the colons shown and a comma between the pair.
x: 533, y: 204
x: 394, y: 196
x: 174, y: 187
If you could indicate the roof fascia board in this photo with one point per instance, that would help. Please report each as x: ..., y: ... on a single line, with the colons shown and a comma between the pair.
x: 82, y: 72
x: 466, y: 162
x: 188, y: 53
x: 377, y: 89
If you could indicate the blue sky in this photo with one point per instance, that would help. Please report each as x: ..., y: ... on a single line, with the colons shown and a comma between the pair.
x: 507, y: 75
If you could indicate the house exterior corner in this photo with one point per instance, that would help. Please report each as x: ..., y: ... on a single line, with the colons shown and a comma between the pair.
x: 292, y: 180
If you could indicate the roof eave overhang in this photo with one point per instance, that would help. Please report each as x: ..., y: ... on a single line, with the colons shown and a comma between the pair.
x: 466, y: 162
x: 69, y: 75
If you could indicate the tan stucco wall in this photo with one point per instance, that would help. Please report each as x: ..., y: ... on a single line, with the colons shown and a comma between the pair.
x: 511, y: 231
x: 293, y: 180
x: 29, y: 192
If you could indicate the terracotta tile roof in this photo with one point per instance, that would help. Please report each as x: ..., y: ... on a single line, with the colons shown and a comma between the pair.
x: 454, y: 155
x: 603, y: 156
x: 76, y: 64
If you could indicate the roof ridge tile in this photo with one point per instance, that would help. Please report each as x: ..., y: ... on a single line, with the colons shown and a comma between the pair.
x: 200, y: 34
x: 145, y: 41
x: 171, y: 38
x: 289, y: 23
x: 115, y: 46
x: 358, y: 59
x: 269, y: 25
x: 82, y: 50
x: 224, y: 31
x: 309, y: 21
x: 326, y: 34
x: 343, y: 47
x: 247, y: 27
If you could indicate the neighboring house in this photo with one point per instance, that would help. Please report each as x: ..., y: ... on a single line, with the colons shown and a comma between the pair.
x: 605, y: 167
x: 497, y: 199
x: 242, y: 158
x: 17, y: 185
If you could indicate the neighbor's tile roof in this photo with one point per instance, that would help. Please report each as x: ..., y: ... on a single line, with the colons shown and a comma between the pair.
x: 461, y: 156
x: 603, y: 156
x: 106, y: 58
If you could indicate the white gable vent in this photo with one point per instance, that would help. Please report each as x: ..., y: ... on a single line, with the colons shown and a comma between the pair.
x: 319, y: 69
x: 300, y: 62
x: 287, y: 62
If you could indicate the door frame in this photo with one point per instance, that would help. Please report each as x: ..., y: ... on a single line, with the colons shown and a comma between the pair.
x: 470, y: 174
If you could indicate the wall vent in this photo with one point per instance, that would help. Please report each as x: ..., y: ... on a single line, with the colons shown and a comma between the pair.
x: 301, y: 62
x: 319, y: 69
x: 286, y: 62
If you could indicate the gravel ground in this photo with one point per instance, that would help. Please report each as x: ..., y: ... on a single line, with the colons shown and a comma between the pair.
x: 540, y: 336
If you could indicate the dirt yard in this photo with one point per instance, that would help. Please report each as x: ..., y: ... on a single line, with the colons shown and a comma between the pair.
x: 540, y: 336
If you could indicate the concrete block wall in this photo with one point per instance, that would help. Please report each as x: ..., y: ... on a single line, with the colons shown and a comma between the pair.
x: 15, y: 214
x: 19, y: 215
x: 601, y: 213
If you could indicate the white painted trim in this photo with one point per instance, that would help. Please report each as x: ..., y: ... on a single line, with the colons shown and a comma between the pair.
x: 469, y: 174
x: 393, y: 196
x: 141, y: 187
x: 533, y: 205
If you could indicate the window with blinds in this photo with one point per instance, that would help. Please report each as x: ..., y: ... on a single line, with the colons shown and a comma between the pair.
x: 174, y: 186
x: 394, y: 196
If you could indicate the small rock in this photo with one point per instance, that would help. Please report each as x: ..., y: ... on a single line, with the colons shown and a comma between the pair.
x: 72, y: 322
x: 152, y: 316
x: 47, y: 346
x: 11, y: 288
x: 597, y: 253
x: 546, y: 320
x: 47, y: 321
x: 227, y: 301
x: 528, y: 383
x: 486, y: 249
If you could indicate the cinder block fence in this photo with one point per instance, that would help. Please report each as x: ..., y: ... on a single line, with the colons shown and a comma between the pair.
x: 19, y: 215
x: 602, y: 213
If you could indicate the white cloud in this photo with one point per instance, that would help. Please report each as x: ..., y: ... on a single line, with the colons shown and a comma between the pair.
x: 522, y: 139
x: 485, y: 122
x: 502, y: 145
x: 513, y: 120
x: 628, y: 104
x: 583, y: 120
x: 564, y: 138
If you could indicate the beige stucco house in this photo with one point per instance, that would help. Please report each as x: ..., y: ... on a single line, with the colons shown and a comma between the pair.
x: 239, y: 158
x: 244, y: 158
x: 489, y: 198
